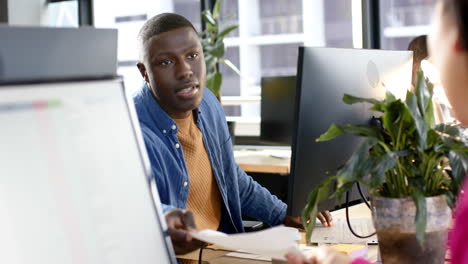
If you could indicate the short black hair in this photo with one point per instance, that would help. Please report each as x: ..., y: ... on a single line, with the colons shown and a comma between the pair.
x: 159, y: 24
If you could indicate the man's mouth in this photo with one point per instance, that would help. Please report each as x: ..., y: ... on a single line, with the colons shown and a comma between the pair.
x: 188, y: 91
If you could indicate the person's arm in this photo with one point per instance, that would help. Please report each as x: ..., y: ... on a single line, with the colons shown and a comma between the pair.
x: 259, y: 203
x: 179, y: 225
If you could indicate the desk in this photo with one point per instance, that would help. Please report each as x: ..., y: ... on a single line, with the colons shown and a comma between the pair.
x: 263, y: 160
x: 214, y: 256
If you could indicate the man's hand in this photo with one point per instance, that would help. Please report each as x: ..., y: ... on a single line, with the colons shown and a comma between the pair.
x: 324, y: 217
x: 180, y: 223
x: 321, y: 255
x: 292, y: 221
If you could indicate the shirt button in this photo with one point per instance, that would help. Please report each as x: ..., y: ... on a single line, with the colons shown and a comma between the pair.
x: 173, y: 127
x: 177, y: 145
x: 164, y: 131
x: 185, y: 184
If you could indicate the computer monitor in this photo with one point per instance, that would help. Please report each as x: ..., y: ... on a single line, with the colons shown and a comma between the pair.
x: 75, y: 181
x: 45, y: 54
x: 277, y: 110
x: 324, y: 75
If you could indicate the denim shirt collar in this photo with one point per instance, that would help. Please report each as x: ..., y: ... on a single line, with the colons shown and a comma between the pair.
x: 161, y: 120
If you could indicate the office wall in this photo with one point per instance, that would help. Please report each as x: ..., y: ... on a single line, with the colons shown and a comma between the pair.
x: 27, y: 12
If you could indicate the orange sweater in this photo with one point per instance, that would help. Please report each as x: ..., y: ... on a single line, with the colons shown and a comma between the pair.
x: 204, y: 199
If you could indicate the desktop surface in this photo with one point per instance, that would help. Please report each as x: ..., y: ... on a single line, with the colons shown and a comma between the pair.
x: 263, y: 159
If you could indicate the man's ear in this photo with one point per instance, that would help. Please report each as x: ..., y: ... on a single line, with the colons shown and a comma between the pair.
x: 142, y: 69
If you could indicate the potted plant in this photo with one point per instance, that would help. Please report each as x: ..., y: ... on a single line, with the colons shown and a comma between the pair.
x: 212, y: 39
x: 413, y: 169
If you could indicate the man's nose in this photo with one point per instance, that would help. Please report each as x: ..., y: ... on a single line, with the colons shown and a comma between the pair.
x: 184, y: 70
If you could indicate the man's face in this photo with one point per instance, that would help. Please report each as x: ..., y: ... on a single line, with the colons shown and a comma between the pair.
x: 174, y: 68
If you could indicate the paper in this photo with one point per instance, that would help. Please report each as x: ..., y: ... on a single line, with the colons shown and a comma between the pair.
x: 248, y: 256
x: 273, y: 242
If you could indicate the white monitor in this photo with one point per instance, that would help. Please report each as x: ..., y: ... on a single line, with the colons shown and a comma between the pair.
x: 74, y: 180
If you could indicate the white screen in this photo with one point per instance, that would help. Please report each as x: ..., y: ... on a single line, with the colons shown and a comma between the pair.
x: 72, y: 184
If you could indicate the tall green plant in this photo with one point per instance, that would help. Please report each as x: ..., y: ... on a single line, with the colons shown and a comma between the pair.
x: 404, y: 154
x: 213, y: 47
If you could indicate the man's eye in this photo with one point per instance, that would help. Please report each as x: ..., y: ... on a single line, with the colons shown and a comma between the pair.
x: 165, y: 62
x: 193, y: 55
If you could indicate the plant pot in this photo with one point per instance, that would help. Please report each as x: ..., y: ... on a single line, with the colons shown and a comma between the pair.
x: 394, y: 221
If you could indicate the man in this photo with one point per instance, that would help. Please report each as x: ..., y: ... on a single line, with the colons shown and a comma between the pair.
x: 188, y: 142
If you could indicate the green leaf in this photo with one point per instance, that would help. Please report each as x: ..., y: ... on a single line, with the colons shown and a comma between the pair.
x: 433, y: 139
x: 214, y: 81
x: 452, y: 137
x: 421, y: 126
x: 320, y: 193
x: 210, y: 62
x: 429, y: 115
x: 331, y: 133
x: 216, y: 9
x: 459, y: 165
x: 389, y: 97
x: 449, y: 129
x: 421, y: 215
x: 228, y: 30
x: 422, y: 93
x: 381, y: 165
x: 358, y: 130
x: 392, y: 115
x: 208, y: 18
x: 218, y: 50
x: 350, y: 99
x: 231, y: 66
x: 363, y: 131
x: 359, y: 164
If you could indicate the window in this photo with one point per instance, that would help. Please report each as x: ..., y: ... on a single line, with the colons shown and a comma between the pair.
x: 128, y: 17
x: 266, y: 44
x: 63, y: 14
x: 402, y: 20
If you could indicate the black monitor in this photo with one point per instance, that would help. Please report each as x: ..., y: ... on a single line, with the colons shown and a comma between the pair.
x: 277, y: 110
x: 324, y: 75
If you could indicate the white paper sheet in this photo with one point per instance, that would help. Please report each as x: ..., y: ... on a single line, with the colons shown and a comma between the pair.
x: 273, y: 242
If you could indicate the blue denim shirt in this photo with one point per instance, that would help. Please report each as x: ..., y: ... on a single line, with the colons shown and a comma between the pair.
x: 240, y: 193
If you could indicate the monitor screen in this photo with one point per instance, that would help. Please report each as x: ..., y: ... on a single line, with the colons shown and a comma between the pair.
x: 324, y: 75
x: 74, y: 186
x: 277, y: 110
